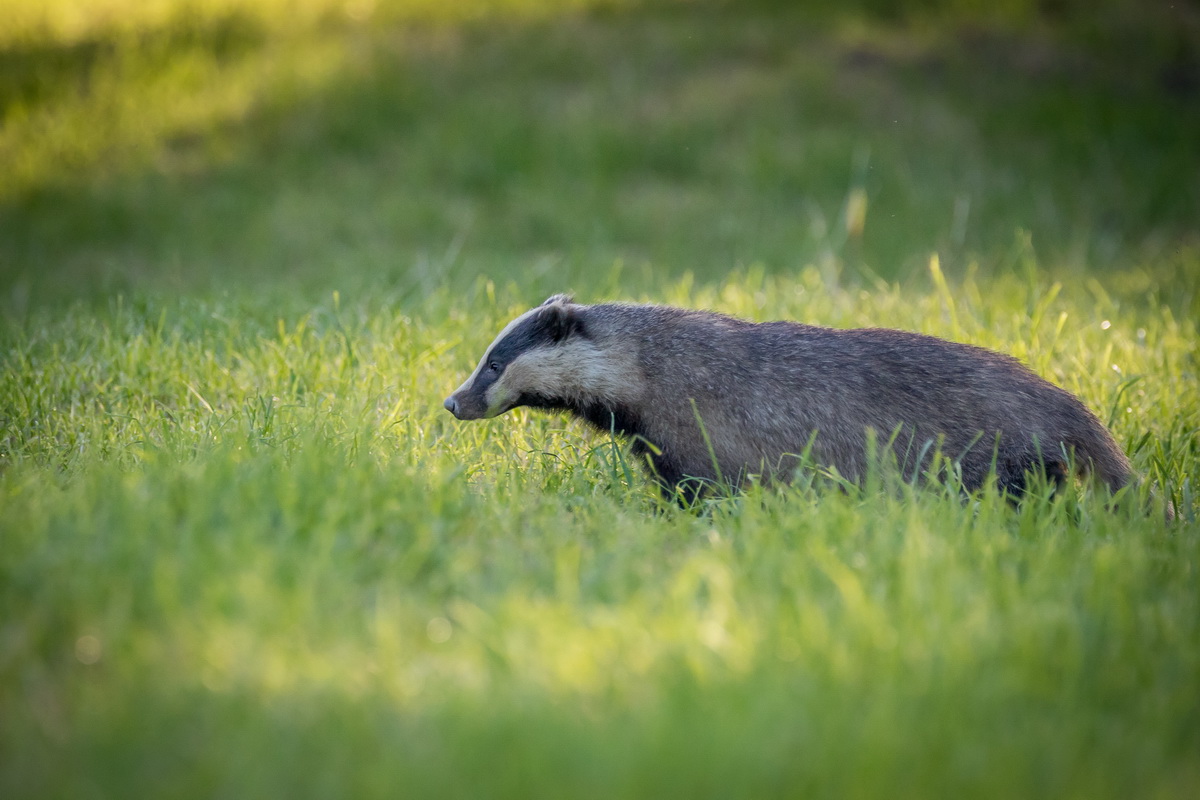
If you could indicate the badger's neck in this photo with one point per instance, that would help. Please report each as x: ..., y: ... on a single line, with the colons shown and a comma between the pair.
x: 606, y: 414
x: 610, y: 417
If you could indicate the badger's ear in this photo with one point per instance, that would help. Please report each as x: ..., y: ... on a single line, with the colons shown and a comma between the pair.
x: 560, y: 319
x: 558, y: 299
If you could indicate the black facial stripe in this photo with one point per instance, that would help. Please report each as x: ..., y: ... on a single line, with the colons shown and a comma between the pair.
x: 484, y: 380
x: 533, y: 332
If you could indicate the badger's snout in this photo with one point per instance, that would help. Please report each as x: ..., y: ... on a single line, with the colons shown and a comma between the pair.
x: 463, y: 406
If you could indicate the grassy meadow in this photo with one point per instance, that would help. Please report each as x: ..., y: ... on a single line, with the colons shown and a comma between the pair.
x: 246, y: 249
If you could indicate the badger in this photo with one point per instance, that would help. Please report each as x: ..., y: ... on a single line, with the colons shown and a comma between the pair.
x: 712, y: 399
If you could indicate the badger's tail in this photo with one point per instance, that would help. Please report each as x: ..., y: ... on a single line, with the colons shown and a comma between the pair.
x: 1099, y: 453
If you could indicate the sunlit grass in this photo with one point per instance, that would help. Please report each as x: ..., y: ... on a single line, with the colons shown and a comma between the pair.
x: 68, y: 21
x: 250, y: 521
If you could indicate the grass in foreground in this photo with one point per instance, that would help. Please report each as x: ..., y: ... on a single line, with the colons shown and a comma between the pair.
x: 251, y: 554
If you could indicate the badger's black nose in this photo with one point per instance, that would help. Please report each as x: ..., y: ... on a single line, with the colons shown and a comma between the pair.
x: 451, y: 406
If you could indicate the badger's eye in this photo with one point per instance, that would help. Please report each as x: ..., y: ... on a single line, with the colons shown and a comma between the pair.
x: 493, y: 366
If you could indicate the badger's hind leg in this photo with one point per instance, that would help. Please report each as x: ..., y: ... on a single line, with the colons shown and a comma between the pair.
x: 1017, y: 476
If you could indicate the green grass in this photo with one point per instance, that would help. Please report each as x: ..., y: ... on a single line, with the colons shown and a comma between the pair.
x: 245, y: 253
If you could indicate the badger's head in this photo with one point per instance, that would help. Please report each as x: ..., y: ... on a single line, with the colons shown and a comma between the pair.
x: 542, y: 358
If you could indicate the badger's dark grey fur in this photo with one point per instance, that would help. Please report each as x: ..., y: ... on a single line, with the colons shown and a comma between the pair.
x: 765, y: 392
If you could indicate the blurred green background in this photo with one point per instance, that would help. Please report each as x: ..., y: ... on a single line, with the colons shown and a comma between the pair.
x: 215, y: 145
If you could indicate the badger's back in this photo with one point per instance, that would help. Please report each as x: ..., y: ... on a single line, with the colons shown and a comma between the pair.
x: 765, y: 392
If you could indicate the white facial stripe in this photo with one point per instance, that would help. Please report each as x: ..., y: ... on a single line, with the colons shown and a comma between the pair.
x: 573, y: 370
